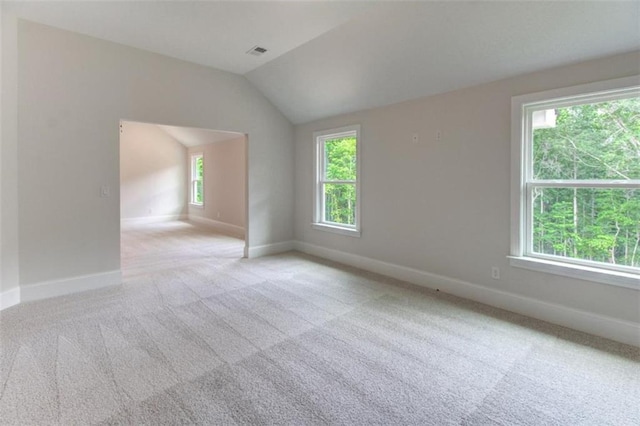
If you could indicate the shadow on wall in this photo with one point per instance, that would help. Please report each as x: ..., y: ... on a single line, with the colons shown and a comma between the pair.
x: 156, y: 176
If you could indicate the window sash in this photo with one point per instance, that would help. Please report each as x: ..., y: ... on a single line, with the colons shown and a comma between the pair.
x: 324, y: 205
x: 524, y: 185
x: 196, y: 181
x: 321, y: 180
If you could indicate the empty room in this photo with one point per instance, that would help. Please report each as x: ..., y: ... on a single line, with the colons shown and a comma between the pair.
x: 320, y: 212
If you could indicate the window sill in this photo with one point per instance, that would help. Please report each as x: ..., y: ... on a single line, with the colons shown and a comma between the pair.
x: 197, y: 206
x: 603, y: 276
x: 336, y: 229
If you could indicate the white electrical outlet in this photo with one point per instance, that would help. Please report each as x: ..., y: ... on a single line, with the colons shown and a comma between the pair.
x: 495, y: 272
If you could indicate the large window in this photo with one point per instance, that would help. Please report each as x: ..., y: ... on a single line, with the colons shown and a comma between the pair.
x: 337, y: 184
x: 577, y: 203
x: 197, y: 176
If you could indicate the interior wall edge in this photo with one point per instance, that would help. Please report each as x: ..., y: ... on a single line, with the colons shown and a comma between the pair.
x: 147, y: 220
x: 69, y: 285
x: 600, y: 325
x: 9, y: 298
x: 269, y: 249
x: 223, y: 227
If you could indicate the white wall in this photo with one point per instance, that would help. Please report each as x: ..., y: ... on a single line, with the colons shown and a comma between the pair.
x: 73, y: 91
x: 224, y: 182
x: 9, y: 280
x: 442, y: 205
x: 153, y: 173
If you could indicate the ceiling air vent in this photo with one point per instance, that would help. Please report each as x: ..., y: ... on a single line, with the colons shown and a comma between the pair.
x: 256, y: 51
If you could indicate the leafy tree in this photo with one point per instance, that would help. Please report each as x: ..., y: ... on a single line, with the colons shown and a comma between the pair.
x: 596, y: 142
x: 340, y: 164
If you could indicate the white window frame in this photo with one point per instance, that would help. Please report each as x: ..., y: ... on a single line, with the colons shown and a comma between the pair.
x: 522, y: 183
x: 319, y: 221
x: 194, y: 179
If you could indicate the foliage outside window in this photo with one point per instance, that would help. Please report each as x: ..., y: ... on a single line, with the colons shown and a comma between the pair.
x: 580, y: 179
x: 337, y: 185
x: 197, y: 176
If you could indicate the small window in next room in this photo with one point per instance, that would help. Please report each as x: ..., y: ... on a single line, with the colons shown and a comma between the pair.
x: 576, y: 182
x: 197, y: 174
x: 337, y: 182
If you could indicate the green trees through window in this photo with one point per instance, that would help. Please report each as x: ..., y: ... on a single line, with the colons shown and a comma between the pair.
x: 339, y: 185
x: 593, y: 151
x: 197, y: 177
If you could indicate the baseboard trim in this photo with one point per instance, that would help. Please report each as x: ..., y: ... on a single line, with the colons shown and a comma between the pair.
x: 600, y: 325
x: 268, y: 249
x: 62, y: 287
x: 9, y: 298
x: 134, y: 221
x: 223, y: 227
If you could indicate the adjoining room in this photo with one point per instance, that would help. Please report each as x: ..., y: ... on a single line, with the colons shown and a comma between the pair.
x: 182, y: 195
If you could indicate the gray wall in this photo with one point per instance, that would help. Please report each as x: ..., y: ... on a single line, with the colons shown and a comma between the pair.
x: 73, y: 90
x: 153, y: 173
x: 224, y: 182
x: 443, y: 205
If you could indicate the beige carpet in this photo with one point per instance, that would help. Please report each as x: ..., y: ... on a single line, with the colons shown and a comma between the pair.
x: 195, y: 335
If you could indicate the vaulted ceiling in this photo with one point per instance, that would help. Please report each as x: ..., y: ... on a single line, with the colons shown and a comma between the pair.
x: 330, y: 57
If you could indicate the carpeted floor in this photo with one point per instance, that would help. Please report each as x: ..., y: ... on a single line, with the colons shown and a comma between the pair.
x: 196, y: 335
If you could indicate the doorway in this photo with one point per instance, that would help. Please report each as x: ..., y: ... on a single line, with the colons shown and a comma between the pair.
x: 181, y: 184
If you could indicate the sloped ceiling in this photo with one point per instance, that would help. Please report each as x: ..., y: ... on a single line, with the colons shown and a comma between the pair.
x: 213, y: 33
x: 331, y: 57
x: 400, y: 51
x: 190, y: 136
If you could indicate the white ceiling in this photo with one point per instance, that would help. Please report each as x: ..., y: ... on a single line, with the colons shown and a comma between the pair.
x: 332, y: 57
x: 191, y: 136
x: 212, y: 33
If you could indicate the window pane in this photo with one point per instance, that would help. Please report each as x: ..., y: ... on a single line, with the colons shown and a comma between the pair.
x: 340, y: 203
x: 197, y: 192
x: 601, y: 225
x: 199, y: 168
x: 340, y: 158
x: 591, y: 141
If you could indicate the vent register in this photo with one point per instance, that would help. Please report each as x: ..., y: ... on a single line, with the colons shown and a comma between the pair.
x: 256, y: 51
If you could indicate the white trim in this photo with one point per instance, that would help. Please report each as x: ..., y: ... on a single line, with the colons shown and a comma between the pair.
x: 566, y: 269
x: 336, y: 229
x: 65, y: 286
x: 223, y: 227
x: 612, y: 328
x: 522, y: 107
x: 319, y: 138
x: 9, y: 298
x: 147, y: 220
x: 268, y: 249
x: 193, y: 179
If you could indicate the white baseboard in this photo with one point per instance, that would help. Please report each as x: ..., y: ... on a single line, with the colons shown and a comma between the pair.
x: 62, y: 287
x: 223, y: 227
x: 9, y: 298
x: 267, y: 249
x: 600, y: 325
x: 135, y: 221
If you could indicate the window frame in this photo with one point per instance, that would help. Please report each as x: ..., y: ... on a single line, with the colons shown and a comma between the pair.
x: 319, y: 221
x: 193, y: 179
x: 523, y: 184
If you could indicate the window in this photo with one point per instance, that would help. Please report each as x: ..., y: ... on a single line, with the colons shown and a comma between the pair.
x: 337, y: 183
x: 576, y: 183
x: 197, y: 175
